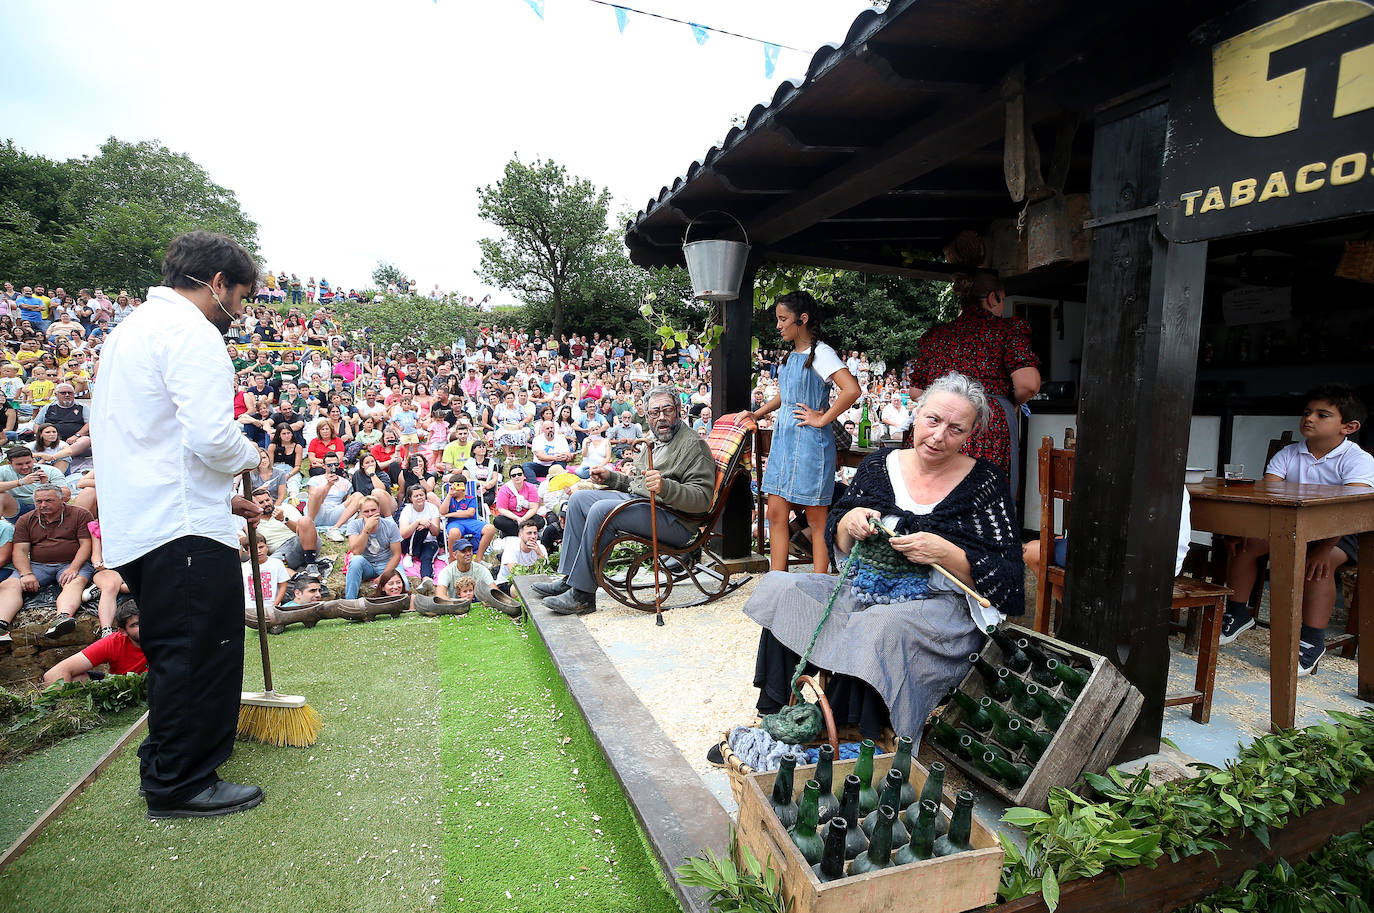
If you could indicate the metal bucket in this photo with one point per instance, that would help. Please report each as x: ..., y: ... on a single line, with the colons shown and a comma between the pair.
x: 715, y: 267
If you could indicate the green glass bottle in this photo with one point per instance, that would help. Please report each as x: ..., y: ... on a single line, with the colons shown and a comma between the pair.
x: 901, y: 762
x: 993, y: 679
x: 934, y: 790
x: 1034, y: 742
x: 974, y: 717
x: 976, y: 750
x: 831, y: 867
x: 960, y: 827
x: 1013, y: 652
x: 922, y: 842
x: 865, y: 427
x: 1008, y: 734
x: 803, y: 833
x: 1023, y: 698
x: 1052, y: 710
x: 944, y: 733
x: 1040, y: 667
x: 995, y: 713
x: 892, y: 790
x: 855, y: 840
x: 825, y: 776
x: 879, y: 855
x: 1074, y: 681
x: 784, y: 806
x: 1009, y: 772
x: 863, y: 769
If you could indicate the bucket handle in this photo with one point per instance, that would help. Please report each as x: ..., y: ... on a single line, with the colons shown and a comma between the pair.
x: 693, y: 220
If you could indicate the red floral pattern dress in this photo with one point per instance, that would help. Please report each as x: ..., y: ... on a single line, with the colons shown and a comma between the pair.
x: 986, y: 348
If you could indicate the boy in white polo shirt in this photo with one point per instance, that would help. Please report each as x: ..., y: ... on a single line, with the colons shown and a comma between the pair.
x: 1324, y: 457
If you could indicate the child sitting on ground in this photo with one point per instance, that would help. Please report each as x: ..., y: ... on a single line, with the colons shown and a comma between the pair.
x: 464, y: 588
x: 1325, y: 456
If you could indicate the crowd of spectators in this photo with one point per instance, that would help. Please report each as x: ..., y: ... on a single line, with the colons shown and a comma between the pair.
x: 409, y: 455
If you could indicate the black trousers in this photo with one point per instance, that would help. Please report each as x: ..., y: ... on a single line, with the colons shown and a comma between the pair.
x: 190, y: 603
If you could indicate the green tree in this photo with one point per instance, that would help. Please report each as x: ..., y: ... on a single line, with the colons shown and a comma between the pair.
x: 554, y: 233
x: 387, y: 273
x: 412, y: 321
x: 107, y: 219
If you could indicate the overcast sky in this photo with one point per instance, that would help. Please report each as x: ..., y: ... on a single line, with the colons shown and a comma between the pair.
x: 358, y: 131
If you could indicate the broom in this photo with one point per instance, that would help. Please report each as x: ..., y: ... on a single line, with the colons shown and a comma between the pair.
x: 266, y: 716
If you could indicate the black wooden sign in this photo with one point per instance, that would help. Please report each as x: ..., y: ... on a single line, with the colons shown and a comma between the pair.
x: 1271, y: 120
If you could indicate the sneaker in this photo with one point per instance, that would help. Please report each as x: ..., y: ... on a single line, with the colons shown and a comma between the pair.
x: 334, y: 534
x: 1234, y: 624
x: 90, y: 593
x: 107, y: 631
x: 5, y: 637
x: 61, y: 626
x: 1308, y: 656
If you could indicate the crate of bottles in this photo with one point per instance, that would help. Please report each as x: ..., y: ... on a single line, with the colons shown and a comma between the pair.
x: 1034, y: 713
x: 953, y: 865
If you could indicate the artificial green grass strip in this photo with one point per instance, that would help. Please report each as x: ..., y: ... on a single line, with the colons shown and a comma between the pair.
x: 30, y: 785
x: 534, y: 820
x: 350, y: 823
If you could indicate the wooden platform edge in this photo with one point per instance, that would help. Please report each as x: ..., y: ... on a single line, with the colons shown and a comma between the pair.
x: 680, y: 817
x: 1171, y: 885
x: 29, y: 836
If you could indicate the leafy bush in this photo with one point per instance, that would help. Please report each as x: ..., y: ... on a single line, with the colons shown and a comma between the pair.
x: 755, y: 889
x: 42, y: 717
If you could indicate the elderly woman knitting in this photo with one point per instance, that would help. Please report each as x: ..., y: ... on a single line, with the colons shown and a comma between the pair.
x: 898, y: 636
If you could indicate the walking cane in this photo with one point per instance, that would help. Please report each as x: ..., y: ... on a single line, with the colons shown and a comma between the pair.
x: 653, y: 539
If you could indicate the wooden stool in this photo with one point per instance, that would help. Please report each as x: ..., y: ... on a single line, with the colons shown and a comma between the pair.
x: 1209, y: 600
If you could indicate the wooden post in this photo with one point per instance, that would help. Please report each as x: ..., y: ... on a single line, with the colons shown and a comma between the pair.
x: 732, y: 367
x: 1139, y: 364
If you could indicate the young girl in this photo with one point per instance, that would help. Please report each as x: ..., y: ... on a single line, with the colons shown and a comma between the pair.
x: 801, y: 463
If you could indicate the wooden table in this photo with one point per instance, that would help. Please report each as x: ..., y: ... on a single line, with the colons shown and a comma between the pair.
x: 1290, y: 516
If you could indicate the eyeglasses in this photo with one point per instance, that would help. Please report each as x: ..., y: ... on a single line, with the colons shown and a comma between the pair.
x: 664, y: 411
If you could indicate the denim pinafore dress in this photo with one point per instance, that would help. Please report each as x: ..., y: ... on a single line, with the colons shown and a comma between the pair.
x: 801, y: 462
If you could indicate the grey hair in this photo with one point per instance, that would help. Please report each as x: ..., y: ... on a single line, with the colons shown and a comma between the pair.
x: 663, y: 390
x: 62, y: 490
x: 965, y: 388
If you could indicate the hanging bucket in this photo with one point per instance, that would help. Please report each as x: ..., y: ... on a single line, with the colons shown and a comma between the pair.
x: 715, y: 267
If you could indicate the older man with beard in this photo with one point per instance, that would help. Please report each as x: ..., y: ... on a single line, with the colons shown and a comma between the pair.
x: 683, y: 478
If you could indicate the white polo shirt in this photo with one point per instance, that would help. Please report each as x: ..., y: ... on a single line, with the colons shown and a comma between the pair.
x: 1347, y: 464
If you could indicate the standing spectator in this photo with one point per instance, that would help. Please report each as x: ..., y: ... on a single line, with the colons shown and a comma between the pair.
x: 166, y: 512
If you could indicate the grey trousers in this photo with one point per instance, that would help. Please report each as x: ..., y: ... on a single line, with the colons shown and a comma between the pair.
x: 585, y: 513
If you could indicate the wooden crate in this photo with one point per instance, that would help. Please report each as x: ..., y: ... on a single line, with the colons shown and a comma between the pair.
x: 950, y: 884
x: 1088, y: 740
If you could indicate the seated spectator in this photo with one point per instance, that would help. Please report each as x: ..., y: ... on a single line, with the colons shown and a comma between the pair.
x: 52, y: 544
x: 389, y: 585
x: 20, y: 477
x: 521, y: 551
x: 516, y: 502
x: 48, y: 448
x: 107, y: 580
x: 461, y: 509
x: 461, y: 566
x: 120, y: 649
x: 421, y: 530
x: 483, y: 469
x: 291, y: 536
x: 270, y: 582
x: 458, y: 450
x: 374, y: 542
x: 596, y: 451
x: 549, y: 449
x: 623, y: 434
x: 326, y: 441
x: 71, y: 419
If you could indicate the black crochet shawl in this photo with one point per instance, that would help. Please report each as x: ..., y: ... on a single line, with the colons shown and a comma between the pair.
x: 978, y: 516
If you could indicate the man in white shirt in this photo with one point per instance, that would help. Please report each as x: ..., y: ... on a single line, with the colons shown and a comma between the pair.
x: 168, y: 452
x: 548, y: 447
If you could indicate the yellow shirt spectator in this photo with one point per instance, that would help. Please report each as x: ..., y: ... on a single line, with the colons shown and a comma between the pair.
x: 40, y: 391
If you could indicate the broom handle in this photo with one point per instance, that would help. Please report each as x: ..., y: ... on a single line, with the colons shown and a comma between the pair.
x: 653, y: 539
x: 257, y: 585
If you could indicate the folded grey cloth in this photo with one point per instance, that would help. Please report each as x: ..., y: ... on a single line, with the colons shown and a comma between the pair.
x: 760, y: 750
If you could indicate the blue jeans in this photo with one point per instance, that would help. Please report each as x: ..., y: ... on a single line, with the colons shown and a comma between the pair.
x: 360, y: 569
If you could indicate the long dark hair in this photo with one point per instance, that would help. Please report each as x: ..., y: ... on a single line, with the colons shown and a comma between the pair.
x: 802, y: 303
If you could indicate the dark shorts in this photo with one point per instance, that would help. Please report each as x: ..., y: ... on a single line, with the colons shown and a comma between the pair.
x: 1351, y: 546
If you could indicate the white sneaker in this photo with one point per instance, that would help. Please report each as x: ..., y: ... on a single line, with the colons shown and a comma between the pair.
x: 90, y: 593
x: 5, y: 637
x: 334, y: 534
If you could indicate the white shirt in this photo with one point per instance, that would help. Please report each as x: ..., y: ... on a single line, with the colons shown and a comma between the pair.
x: 272, y: 574
x: 163, y: 432
x: 1346, y: 464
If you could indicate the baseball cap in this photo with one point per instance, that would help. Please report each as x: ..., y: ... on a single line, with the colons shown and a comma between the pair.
x: 463, y: 544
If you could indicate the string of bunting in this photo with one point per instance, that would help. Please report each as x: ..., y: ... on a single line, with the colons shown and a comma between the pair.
x: 700, y: 32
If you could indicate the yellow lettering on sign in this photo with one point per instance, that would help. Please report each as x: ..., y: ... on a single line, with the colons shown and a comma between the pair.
x: 1348, y: 168
x: 1189, y: 199
x: 1276, y: 186
x: 1304, y: 182
x: 1213, y: 200
x: 1248, y: 102
x: 1243, y: 191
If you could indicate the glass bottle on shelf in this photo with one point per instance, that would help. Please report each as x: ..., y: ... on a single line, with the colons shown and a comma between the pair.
x: 865, y: 426
x: 879, y: 855
x: 784, y: 806
x: 921, y: 845
x: 957, y: 840
x: 863, y: 769
x: 892, y: 791
x: 825, y: 776
x: 803, y: 833
x: 901, y: 762
x: 855, y: 841
x: 831, y: 867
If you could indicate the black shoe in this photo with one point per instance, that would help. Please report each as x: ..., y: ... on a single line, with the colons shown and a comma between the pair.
x: 1234, y: 624
x: 1309, y: 654
x: 555, y: 587
x: 573, y: 602
x: 713, y: 756
x: 62, y: 626
x: 219, y: 798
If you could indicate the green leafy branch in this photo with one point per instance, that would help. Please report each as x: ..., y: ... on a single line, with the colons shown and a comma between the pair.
x: 753, y: 889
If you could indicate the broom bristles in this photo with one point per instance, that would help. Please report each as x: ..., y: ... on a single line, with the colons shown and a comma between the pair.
x: 297, y: 727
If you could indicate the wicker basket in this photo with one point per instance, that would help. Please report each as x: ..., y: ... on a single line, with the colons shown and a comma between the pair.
x: 738, y: 770
x: 1357, y: 262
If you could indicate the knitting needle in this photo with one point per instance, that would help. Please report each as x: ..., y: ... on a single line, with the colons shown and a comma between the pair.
x: 981, y: 600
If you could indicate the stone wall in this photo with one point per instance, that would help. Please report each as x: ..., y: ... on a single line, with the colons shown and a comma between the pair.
x: 32, y: 654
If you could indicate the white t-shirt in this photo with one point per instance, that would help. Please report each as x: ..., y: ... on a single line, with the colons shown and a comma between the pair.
x: 428, y: 512
x: 1347, y: 464
x: 512, y: 556
x: 272, y: 574
x: 826, y: 361
x: 544, y: 448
